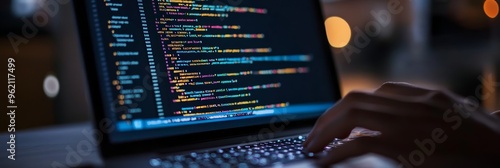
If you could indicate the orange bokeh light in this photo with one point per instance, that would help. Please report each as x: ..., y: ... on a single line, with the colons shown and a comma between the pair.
x: 491, y: 8
x: 338, y: 31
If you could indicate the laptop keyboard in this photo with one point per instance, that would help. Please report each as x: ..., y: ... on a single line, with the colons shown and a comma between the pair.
x: 267, y: 153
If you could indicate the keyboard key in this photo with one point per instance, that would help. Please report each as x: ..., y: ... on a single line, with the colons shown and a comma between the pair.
x: 268, y: 153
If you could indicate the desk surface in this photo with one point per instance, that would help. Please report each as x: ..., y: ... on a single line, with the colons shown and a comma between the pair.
x: 46, y: 147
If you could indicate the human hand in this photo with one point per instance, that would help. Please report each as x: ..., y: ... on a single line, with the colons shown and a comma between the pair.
x: 419, y: 127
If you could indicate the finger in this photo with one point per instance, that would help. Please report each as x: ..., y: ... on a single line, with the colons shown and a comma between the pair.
x: 443, y: 97
x: 327, y: 117
x: 407, y: 89
x: 361, y: 97
x: 318, y: 132
x: 369, y: 116
x: 356, y: 148
x: 402, y: 88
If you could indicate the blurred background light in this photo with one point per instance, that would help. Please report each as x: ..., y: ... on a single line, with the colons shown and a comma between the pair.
x: 51, y: 86
x: 491, y: 8
x: 338, y: 31
x: 24, y: 8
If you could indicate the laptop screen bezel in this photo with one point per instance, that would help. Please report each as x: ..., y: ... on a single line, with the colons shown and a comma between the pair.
x: 109, y: 149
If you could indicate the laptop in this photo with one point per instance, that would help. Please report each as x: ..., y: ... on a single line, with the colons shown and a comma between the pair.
x: 202, y: 83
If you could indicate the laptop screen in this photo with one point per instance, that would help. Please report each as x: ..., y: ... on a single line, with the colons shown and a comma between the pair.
x: 174, y: 67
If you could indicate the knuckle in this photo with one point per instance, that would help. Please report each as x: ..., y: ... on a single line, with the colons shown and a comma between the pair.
x: 354, y: 95
x: 395, y: 84
x: 387, y: 85
x: 439, y: 96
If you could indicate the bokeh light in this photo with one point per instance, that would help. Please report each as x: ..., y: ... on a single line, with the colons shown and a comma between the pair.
x: 51, y: 86
x: 491, y: 8
x: 24, y: 8
x: 338, y: 31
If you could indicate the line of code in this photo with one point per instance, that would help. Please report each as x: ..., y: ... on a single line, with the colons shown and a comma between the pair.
x: 197, y: 38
